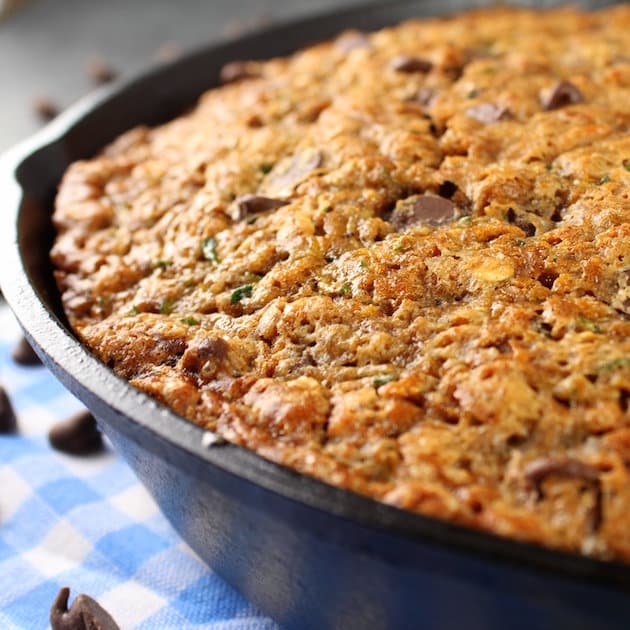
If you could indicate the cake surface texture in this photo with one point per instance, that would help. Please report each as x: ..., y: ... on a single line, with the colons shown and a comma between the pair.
x: 398, y: 262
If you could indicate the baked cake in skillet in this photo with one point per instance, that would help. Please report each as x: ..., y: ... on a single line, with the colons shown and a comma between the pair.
x: 397, y: 262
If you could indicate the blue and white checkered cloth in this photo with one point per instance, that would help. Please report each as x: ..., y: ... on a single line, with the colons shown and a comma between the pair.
x: 87, y: 523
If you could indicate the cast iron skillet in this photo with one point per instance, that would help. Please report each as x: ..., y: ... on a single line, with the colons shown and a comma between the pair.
x: 308, y: 554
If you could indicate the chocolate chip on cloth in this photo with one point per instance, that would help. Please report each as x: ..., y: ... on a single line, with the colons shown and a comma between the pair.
x: 252, y: 204
x: 84, y: 614
x: 562, y: 94
x: 410, y: 65
x: 23, y: 353
x: 8, y: 422
x: 78, y: 435
x: 488, y: 113
x: 422, y: 210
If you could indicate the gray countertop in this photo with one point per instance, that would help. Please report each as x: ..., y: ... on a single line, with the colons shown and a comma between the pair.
x: 45, y: 45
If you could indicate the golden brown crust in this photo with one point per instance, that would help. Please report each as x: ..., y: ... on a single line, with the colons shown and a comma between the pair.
x: 399, y: 263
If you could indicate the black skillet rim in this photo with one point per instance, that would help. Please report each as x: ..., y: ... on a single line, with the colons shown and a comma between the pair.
x: 59, y: 347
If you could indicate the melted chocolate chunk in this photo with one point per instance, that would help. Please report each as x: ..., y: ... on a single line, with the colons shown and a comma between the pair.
x: 488, y: 113
x: 539, y: 469
x: 212, y: 347
x: 422, y: 210
x: 84, y: 614
x: 23, y: 354
x: 252, y: 204
x: 8, y: 422
x: 78, y: 435
x: 562, y: 94
x: 199, y: 352
x: 410, y: 65
x: 236, y: 71
x: 287, y: 174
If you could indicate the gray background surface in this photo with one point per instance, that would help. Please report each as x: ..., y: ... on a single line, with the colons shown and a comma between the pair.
x: 45, y: 46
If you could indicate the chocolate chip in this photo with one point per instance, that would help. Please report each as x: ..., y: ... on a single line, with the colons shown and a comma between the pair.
x: 214, y: 347
x: 410, y: 65
x: 237, y: 71
x: 447, y: 189
x: 254, y: 121
x: 45, y: 108
x: 78, y: 435
x: 23, y: 354
x: 547, y: 278
x: 528, y: 228
x: 252, y: 204
x: 488, y: 113
x: 290, y: 172
x: 84, y: 614
x: 352, y: 40
x: 8, y: 422
x: 100, y: 71
x: 173, y: 348
x: 562, y: 94
x: 201, y: 351
x: 541, y: 468
x: 422, y: 209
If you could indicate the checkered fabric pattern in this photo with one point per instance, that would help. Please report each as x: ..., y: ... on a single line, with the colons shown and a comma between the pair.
x: 87, y: 523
